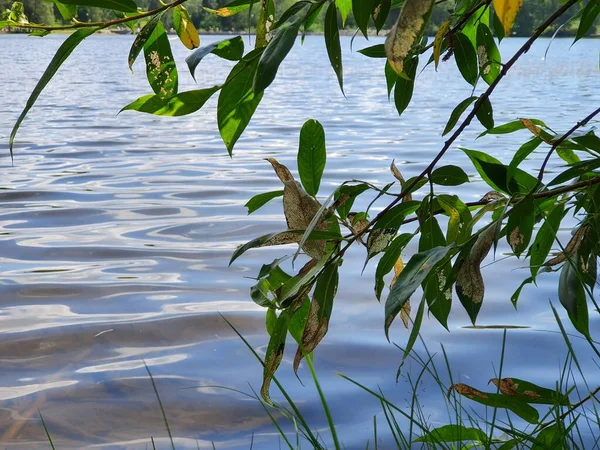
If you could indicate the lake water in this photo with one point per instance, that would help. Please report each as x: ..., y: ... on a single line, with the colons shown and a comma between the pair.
x: 116, y: 233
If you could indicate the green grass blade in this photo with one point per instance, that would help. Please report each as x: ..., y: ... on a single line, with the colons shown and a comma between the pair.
x: 160, y: 404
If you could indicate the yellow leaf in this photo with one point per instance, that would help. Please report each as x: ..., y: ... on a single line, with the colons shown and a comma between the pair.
x: 507, y: 10
x: 188, y: 35
x: 437, y: 42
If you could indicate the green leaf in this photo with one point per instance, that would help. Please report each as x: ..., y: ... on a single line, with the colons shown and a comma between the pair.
x: 576, y: 170
x: 390, y: 78
x: 524, y: 151
x: 317, y: 322
x: 520, y: 225
x: 184, y: 27
x: 572, y: 296
x: 389, y: 258
x: 453, y: 433
x: 380, y: 13
x: 280, y: 45
x: 404, y: 86
x: 589, y: 140
x: 437, y: 294
x: 414, y: 334
x: 466, y: 58
x: 60, y: 57
x: 515, y: 297
x: 488, y: 54
x: 274, y: 354
x: 231, y: 49
x: 351, y: 191
x: 345, y: 6
x: 457, y: 112
x: 261, y: 199
x: 271, y: 320
x: 516, y: 405
x: 297, y: 322
x: 180, y: 105
x: 117, y: 5
x: 394, y: 217
x: 485, y: 114
x: 140, y: 39
x: 259, y: 294
x: 237, y: 101
x: 544, y: 239
x: 588, y: 17
x: 496, y: 174
x: 230, y: 9
x: 312, y: 156
x: 449, y: 176
x: 511, y: 127
x: 332, y: 43
x: 160, y: 64
x: 459, y: 218
x: 413, y: 275
x: 530, y: 392
x: 67, y: 12
x: 361, y: 9
x: 375, y: 51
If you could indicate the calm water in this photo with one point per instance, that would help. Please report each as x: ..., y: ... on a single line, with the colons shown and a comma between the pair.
x: 116, y: 232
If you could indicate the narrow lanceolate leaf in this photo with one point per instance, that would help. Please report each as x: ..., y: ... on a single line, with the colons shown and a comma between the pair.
x: 332, y: 43
x: 60, y: 57
x: 507, y: 10
x: 179, y: 105
x: 457, y: 112
x: 544, y: 239
x: 588, y: 17
x: 516, y: 405
x: 572, y: 294
x: 405, y: 86
x: 413, y: 275
x: 280, y: 45
x: 469, y: 282
x: 231, y: 49
x: 407, y: 31
x: 466, y: 58
x: 140, y: 39
x: 361, y: 9
x: 237, y: 101
x: 274, y: 354
x: 520, y: 225
x: 116, y: 5
x: 260, y: 200
x: 345, y: 7
x: 380, y: 13
x: 266, y: 21
x: 182, y: 22
x: 487, y: 54
x: 321, y: 306
x: 67, y: 12
x: 312, y: 155
x: 160, y: 64
x: 388, y: 261
x: 439, y: 39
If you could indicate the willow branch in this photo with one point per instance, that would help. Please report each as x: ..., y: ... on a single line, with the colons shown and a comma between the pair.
x: 101, y: 24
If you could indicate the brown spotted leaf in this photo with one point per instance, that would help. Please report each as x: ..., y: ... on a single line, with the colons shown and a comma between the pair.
x: 274, y: 354
x: 378, y: 240
x: 571, y: 248
x: 299, y: 209
x: 321, y: 306
x: 469, y: 282
x: 529, y: 392
x: 407, y: 31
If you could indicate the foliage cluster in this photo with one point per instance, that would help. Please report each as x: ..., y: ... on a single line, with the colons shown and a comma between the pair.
x: 453, y: 237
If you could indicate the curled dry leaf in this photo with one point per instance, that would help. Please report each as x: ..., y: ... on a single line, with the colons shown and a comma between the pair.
x: 378, y: 240
x: 407, y: 31
x: 400, y: 178
x: 469, y: 282
x: 507, y: 386
x: 572, y: 246
x: 467, y: 391
x: 299, y: 209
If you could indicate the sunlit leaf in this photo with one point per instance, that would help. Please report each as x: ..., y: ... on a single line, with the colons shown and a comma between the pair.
x: 345, y: 7
x: 231, y: 8
x: 117, y: 5
x: 487, y: 54
x: 507, y: 10
x: 160, y: 64
x: 140, y: 39
x: 179, y: 105
x: 266, y: 21
x: 184, y: 27
x: 439, y: 39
